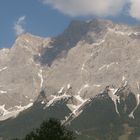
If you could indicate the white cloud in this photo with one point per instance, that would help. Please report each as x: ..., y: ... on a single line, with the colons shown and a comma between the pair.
x: 18, y: 27
x: 135, y: 9
x: 88, y: 7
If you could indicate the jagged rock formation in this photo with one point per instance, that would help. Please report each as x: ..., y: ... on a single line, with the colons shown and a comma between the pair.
x: 88, y: 61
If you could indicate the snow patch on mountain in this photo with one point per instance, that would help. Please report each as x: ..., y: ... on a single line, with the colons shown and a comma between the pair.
x: 107, y: 66
x: 83, y: 67
x: 123, y: 33
x: 41, y: 78
x: 68, y: 86
x: 76, y: 110
x: 123, y: 78
x: 12, y: 113
x: 95, y: 85
x: 56, y: 98
x: 61, y: 90
x: 2, y: 69
x: 3, y: 92
x: 137, y: 96
x: 114, y: 97
x: 83, y: 87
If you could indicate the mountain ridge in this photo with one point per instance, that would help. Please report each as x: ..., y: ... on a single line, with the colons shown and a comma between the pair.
x: 88, y: 60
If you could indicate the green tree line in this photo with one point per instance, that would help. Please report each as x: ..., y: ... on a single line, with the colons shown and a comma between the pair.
x: 51, y: 129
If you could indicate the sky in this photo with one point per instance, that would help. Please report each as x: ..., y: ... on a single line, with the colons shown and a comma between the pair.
x: 48, y: 18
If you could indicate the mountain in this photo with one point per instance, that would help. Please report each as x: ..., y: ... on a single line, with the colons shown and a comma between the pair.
x: 88, y: 77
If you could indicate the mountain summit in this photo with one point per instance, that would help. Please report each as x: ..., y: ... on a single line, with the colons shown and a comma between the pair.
x: 92, y: 67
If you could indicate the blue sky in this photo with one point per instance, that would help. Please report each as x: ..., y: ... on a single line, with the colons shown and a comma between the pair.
x: 40, y: 19
x: 49, y: 18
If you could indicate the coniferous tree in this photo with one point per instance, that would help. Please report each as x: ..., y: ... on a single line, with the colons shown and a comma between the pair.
x: 50, y: 130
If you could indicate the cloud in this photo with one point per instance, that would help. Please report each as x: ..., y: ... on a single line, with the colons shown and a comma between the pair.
x: 135, y: 9
x: 88, y: 7
x: 18, y: 27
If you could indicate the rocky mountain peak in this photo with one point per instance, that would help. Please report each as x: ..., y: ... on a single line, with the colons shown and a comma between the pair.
x: 73, y: 70
x: 28, y: 41
x: 77, y: 30
x: 91, y: 24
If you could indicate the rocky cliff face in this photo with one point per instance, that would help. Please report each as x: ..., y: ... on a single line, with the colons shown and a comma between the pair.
x: 89, y: 60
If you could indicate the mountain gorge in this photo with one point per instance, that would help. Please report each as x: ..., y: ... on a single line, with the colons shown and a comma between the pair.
x: 88, y: 77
